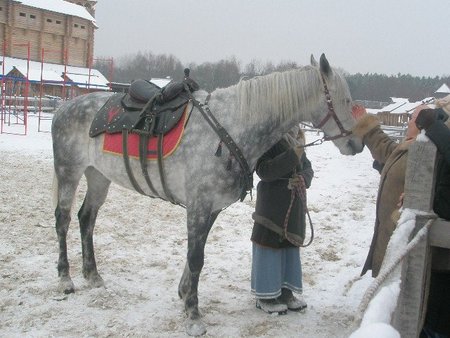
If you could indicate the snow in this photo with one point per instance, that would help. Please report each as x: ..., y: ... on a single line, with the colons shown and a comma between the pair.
x: 402, y: 105
x: 376, y: 331
x: 53, y: 72
x: 160, y: 82
x: 60, y: 6
x: 141, y: 248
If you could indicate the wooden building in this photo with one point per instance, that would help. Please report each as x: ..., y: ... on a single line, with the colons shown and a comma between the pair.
x: 57, y: 31
x: 398, y: 112
x: 46, y: 48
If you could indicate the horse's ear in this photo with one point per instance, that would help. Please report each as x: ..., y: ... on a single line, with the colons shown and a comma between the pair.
x: 324, y: 65
x: 313, y: 61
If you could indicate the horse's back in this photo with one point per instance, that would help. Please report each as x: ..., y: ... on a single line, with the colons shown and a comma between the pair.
x: 81, y: 107
x: 71, y: 123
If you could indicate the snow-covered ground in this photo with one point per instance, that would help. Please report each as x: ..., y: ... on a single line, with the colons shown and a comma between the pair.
x: 141, y: 247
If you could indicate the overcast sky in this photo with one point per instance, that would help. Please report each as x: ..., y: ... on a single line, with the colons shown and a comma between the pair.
x: 360, y: 36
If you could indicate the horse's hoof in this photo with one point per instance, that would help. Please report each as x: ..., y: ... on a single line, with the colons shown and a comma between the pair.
x: 66, y: 285
x: 195, y: 327
x: 96, y: 281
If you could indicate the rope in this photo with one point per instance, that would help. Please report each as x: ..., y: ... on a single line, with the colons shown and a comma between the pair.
x: 373, y: 288
x: 297, y: 186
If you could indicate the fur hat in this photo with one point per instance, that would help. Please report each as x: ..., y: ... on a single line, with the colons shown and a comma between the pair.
x: 444, y: 103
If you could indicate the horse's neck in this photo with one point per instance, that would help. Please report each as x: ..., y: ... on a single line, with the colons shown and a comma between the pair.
x: 256, y: 134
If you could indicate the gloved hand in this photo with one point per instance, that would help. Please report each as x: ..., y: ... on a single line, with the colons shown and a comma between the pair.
x: 295, y: 181
x: 428, y: 116
x: 365, y: 124
x: 299, y: 150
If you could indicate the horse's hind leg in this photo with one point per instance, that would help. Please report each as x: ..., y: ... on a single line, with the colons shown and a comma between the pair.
x: 97, y: 190
x: 67, y: 182
x: 199, y: 225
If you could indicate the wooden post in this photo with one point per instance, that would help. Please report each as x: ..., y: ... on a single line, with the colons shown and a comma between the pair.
x: 419, y: 191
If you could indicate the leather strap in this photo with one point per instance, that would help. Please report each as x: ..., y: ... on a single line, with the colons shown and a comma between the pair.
x: 143, y: 148
x: 162, y: 173
x: 247, y: 177
x: 126, y: 160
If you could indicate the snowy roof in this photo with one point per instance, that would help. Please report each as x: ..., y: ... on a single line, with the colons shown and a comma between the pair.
x: 60, y: 6
x: 53, y: 73
x: 443, y: 89
x: 401, y: 105
x: 160, y: 82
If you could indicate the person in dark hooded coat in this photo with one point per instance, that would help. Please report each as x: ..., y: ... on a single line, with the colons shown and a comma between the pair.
x: 279, y: 227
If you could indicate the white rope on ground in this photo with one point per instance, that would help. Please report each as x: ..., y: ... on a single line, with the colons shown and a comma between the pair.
x: 375, y: 285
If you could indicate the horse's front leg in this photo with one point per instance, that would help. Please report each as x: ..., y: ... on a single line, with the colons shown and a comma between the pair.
x: 199, y: 223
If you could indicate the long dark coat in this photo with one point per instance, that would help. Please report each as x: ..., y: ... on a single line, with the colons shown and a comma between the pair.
x: 275, y: 168
x: 438, y: 310
x: 439, y: 134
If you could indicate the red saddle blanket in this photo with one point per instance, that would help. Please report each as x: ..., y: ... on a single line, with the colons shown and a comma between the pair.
x: 112, y: 143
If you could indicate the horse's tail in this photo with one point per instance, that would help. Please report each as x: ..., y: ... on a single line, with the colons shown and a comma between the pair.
x: 54, y: 191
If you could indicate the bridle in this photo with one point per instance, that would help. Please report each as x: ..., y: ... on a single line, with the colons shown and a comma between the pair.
x: 331, y: 114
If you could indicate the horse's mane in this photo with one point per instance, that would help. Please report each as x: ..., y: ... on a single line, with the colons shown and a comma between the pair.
x: 281, y: 93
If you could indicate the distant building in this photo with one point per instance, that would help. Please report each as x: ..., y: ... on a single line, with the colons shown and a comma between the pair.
x: 63, y: 29
x: 443, y: 91
x: 50, y: 42
x: 397, y: 113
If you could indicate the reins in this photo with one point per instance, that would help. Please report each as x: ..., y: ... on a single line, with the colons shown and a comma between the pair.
x: 331, y: 114
x: 298, y: 190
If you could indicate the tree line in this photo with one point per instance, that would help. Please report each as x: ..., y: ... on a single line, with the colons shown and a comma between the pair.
x: 227, y: 72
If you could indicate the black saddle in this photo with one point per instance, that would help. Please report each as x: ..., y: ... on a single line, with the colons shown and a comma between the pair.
x: 145, y: 107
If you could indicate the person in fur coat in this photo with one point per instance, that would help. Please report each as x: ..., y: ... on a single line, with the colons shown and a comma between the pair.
x: 278, y: 233
x: 393, y: 158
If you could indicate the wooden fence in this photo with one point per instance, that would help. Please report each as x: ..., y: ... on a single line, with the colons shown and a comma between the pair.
x: 393, y: 119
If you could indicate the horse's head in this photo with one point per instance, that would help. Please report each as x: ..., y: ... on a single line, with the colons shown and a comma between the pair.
x: 334, y: 115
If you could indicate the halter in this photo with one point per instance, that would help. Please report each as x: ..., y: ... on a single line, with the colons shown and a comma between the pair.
x: 331, y: 114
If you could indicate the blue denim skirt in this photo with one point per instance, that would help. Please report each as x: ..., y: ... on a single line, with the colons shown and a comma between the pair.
x: 273, y: 269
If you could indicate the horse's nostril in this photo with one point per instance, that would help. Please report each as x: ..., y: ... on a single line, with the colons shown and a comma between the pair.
x: 352, y: 146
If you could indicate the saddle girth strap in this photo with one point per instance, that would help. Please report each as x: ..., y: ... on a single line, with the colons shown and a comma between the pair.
x: 126, y: 160
x: 231, y: 145
x: 162, y: 173
x: 143, y: 148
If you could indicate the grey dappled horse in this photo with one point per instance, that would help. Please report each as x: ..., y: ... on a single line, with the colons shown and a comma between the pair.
x: 256, y: 113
